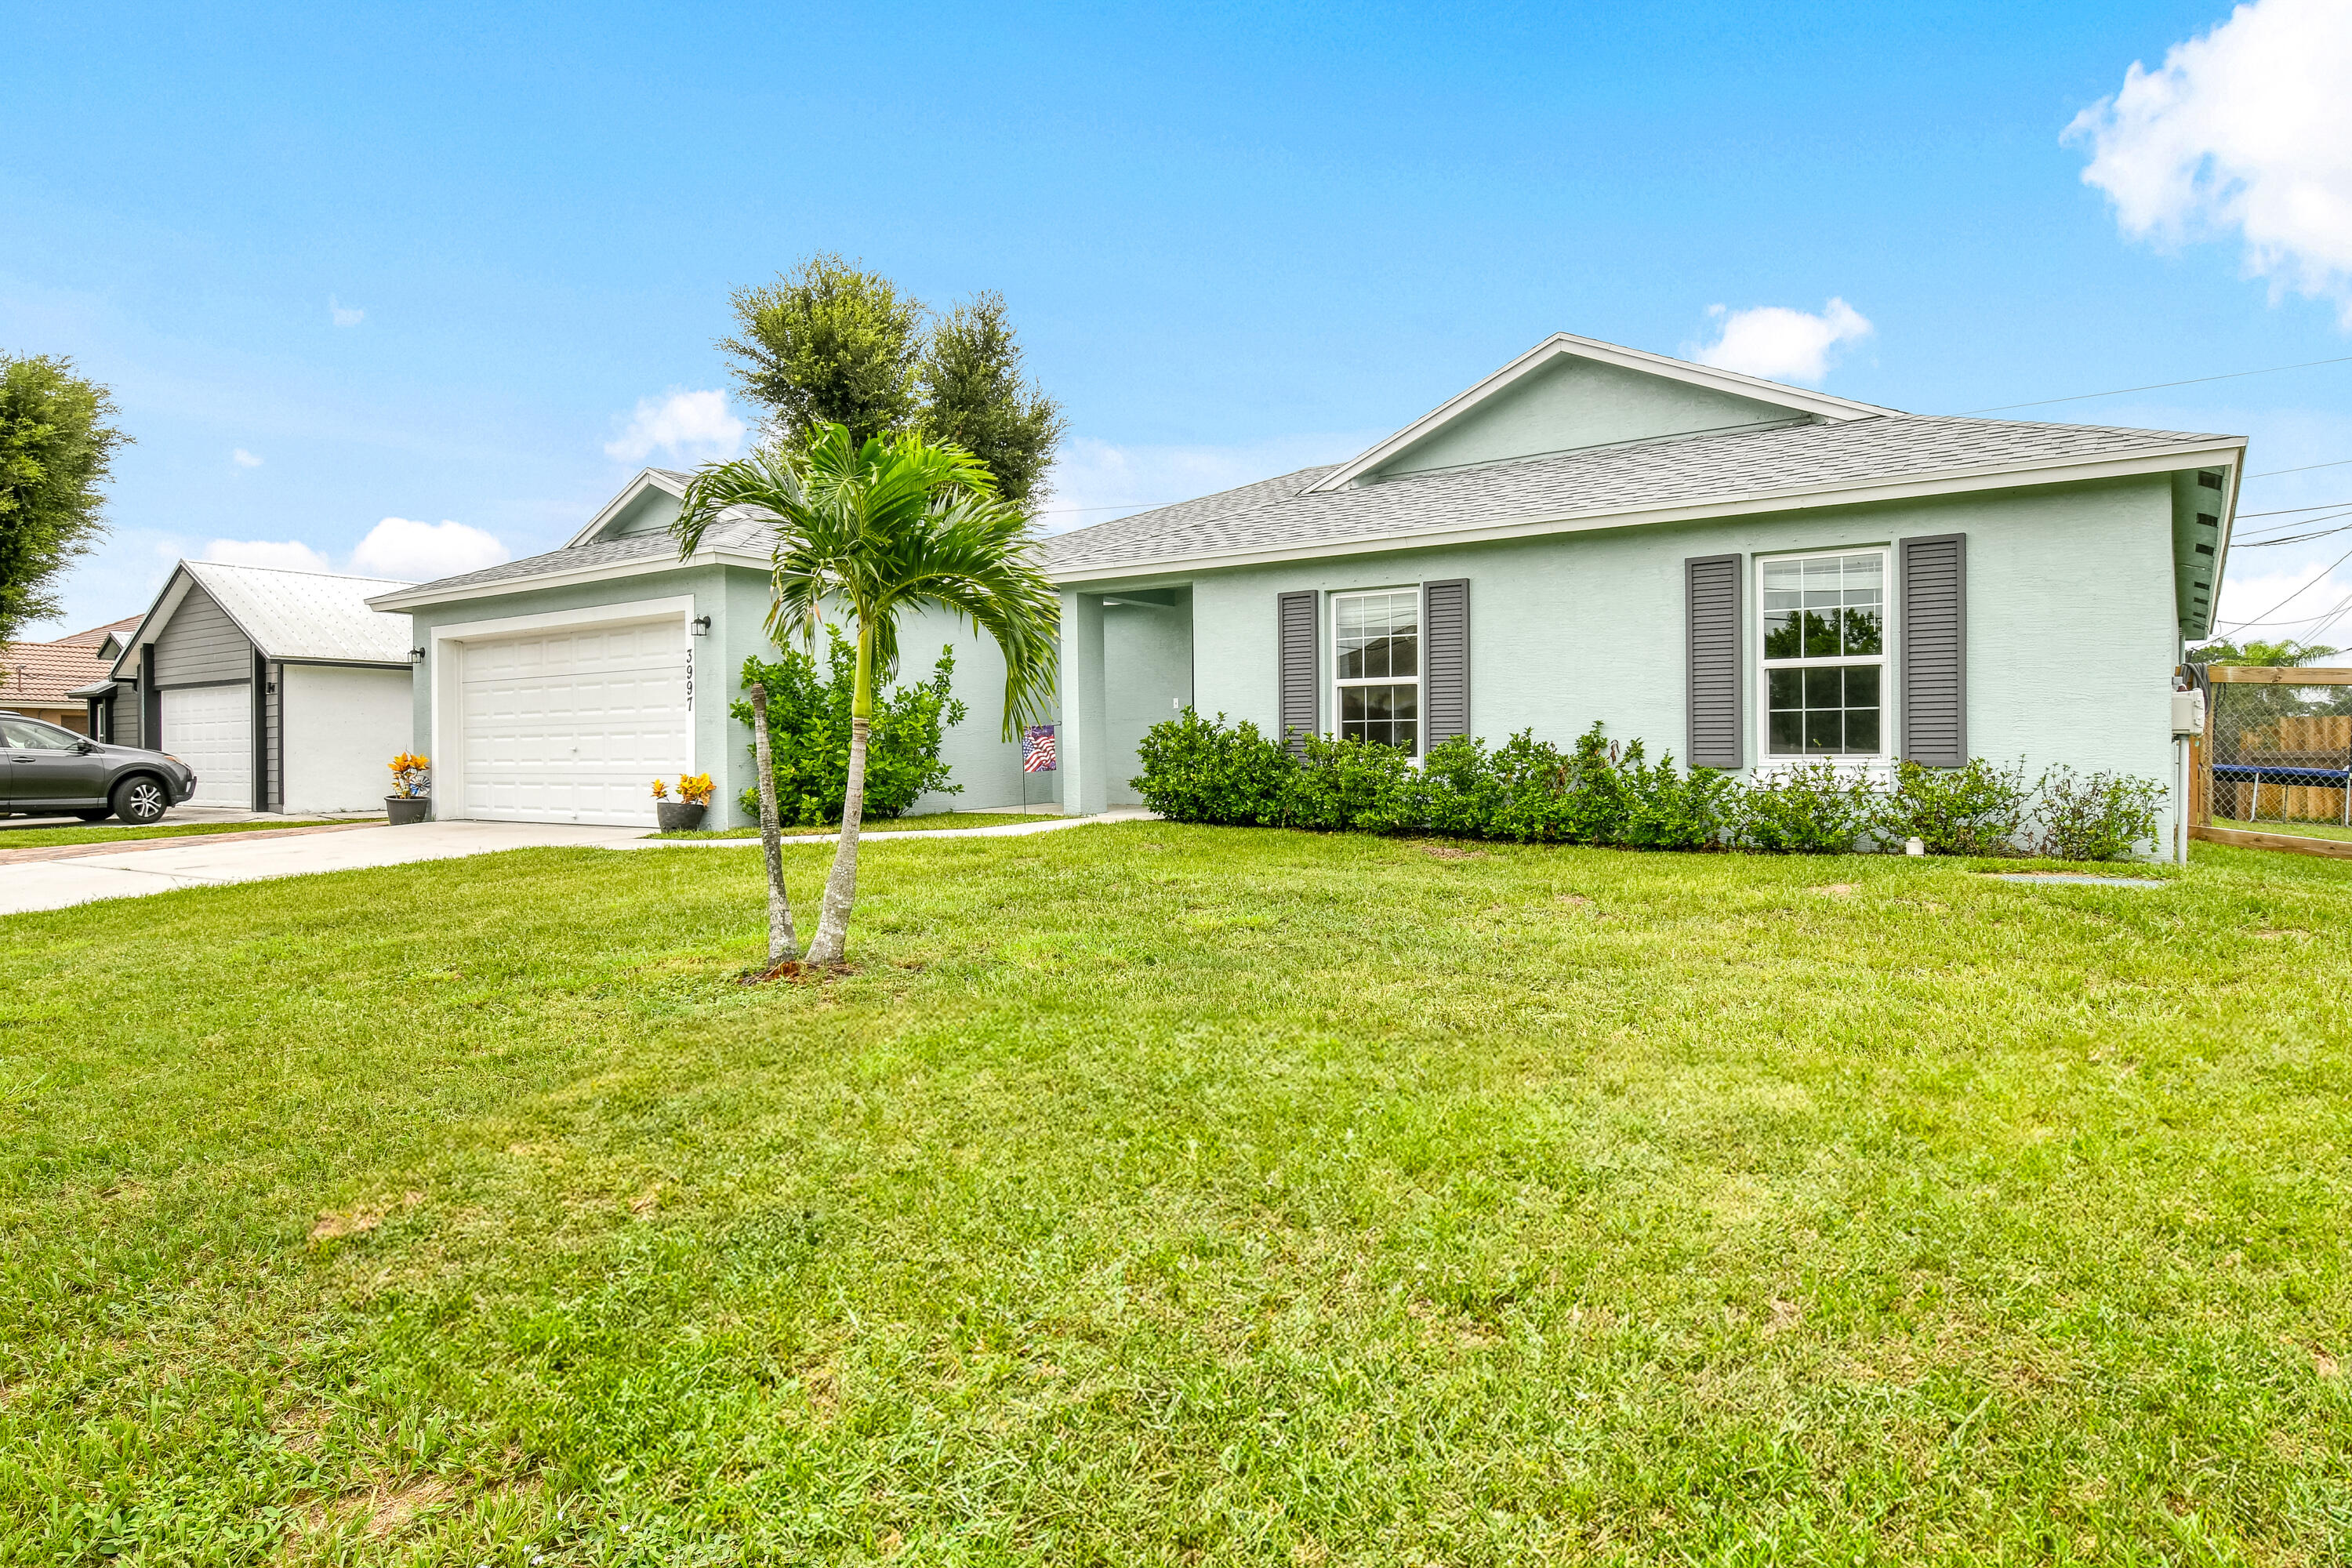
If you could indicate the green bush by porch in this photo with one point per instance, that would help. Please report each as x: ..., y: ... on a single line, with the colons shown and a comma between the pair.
x: 1599, y: 792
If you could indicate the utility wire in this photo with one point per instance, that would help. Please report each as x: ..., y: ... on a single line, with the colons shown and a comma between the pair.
x: 2336, y: 463
x: 2291, y: 598
x: 2161, y: 385
x: 2282, y: 511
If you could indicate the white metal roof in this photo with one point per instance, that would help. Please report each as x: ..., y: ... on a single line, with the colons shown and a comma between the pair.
x: 290, y: 614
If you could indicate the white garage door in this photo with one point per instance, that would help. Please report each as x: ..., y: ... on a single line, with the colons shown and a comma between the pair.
x: 210, y: 727
x: 573, y: 726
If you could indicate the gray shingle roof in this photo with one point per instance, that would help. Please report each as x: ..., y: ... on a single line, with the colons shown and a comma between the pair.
x: 738, y: 528
x: 1280, y: 513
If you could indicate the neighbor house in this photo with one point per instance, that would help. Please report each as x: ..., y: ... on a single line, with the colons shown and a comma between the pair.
x: 282, y: 689
x: 1745, y: 573
x: 46, y: 680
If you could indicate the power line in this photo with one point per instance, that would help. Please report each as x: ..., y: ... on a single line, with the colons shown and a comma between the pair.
x: 2161, y: 385
x: 2333, y: 463
x: 2298, y: 593
x: 2284, y: 510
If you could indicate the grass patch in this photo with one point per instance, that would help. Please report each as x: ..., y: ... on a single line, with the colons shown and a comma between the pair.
x: 2292, y: 829
x: 928, y: 822
x: 1155, y: 1193
x: 104, y: 833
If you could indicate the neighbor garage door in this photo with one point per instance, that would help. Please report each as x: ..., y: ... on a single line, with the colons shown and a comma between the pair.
x: 210, y: 727
x: 573, y: 726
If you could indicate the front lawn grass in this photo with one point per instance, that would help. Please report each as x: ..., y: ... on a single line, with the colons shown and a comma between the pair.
x: 98, y: 833
x: 1166, y: 1194
x: 928, y: 822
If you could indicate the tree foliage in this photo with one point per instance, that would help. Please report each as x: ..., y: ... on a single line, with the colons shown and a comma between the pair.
x: 834, y: 343
x: 2287, y: 653
x: 829, y: 343
x: 973, y: 396
x: 56, y: 451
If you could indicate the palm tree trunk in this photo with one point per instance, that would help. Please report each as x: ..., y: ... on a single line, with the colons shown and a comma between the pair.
x: 781, y: 943
x: 841, y: 886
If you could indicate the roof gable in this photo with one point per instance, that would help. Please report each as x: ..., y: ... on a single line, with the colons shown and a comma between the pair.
x: 649, y: 503
x: 1568, y: 394
x: 286, y: 615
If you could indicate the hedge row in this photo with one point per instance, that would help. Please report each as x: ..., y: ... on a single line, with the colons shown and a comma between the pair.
x: 1597, y: 792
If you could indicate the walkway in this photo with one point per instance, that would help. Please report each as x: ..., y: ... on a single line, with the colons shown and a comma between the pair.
x: 131, y: 868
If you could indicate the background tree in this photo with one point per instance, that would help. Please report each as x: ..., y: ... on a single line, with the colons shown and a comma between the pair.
x: 867, y: 531
x: 2286, y: 654
x: 829, y: 343
x: 56, y: 451
x: 834, y: 343
x: 973, y: 396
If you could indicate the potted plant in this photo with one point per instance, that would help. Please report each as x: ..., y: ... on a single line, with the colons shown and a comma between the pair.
x: 412, y: 778
x: 685, y: 813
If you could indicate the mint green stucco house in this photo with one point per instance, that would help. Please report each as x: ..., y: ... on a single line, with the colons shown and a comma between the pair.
x: 1745, y: 573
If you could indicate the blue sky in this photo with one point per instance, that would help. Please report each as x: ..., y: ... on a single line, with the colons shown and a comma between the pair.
x: 344, y: 265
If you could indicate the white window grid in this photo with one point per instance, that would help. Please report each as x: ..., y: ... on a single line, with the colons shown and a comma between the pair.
x: 1406, y: 598
x: 1771, y: 763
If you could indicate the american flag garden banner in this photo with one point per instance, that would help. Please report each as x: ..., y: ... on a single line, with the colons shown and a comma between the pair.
x: 1037, y: 749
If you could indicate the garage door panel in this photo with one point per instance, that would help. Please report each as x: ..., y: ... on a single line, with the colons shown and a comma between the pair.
x: 572, y: 726
x: 210, y: 727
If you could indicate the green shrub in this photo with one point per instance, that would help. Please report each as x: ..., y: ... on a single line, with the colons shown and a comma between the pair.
x: 1339, y: 787
x: 2098, y: 816
x: 808, y: 734
x: 1600, y: 792
x: 1979, y: 809
x: 1810, y: 809
x: 1196, y: 770
x: 1666, y: 809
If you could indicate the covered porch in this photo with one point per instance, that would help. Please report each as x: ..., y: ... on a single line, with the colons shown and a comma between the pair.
x: 1127, y: 663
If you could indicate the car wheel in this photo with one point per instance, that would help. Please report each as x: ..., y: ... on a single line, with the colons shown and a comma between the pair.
x: 141, y: 800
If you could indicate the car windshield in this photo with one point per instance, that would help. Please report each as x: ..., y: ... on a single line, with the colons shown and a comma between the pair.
x: 34, y: 735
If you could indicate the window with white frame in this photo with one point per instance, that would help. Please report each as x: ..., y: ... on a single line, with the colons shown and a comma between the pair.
x: 1824, y: 622
x: 1376, y: 666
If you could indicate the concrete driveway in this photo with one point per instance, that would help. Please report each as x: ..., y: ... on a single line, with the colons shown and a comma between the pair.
x: 133, y: 868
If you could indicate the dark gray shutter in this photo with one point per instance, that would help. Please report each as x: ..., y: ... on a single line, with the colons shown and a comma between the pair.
x: 1445, y: 660
x: 1934, y: 635
x: 1718, y: 727
x: 1295, y: 631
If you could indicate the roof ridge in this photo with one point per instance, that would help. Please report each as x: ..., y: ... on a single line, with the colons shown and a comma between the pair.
x: 294, y: 572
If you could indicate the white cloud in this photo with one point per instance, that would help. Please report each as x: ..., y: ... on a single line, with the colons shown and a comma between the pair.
x: 290, y: 554
x: 416, y: 552
x: 1779, y: 343
x: 2249, y: 128
x: 244, y: 459
x: 344, y: 315
x: 1096, y: 481
x: 692, y: 426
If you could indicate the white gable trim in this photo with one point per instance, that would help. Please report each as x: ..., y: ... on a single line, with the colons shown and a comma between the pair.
x: 152, y: 623
x: 647, y: 479
x: 562, y: 576
x: 1567, y: 345
x: 1956, y: 481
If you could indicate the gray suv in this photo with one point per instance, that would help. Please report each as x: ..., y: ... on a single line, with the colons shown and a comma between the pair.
x: 48, y: 772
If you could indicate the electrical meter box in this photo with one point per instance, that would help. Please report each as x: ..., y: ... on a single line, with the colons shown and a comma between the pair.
x: 2188, y: 713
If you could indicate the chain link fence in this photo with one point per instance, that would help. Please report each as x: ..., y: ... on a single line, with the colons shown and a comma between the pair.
x: 2276, y: 752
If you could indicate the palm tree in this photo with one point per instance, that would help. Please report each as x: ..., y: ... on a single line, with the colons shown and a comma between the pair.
x: 869, y: 531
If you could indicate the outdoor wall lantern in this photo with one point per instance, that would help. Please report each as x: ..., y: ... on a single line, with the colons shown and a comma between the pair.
x: 701, y: 626
x: 416, y: 655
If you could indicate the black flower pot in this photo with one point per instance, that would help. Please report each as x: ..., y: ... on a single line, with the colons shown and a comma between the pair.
x: 679, y: 815
x: 401, y: 809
